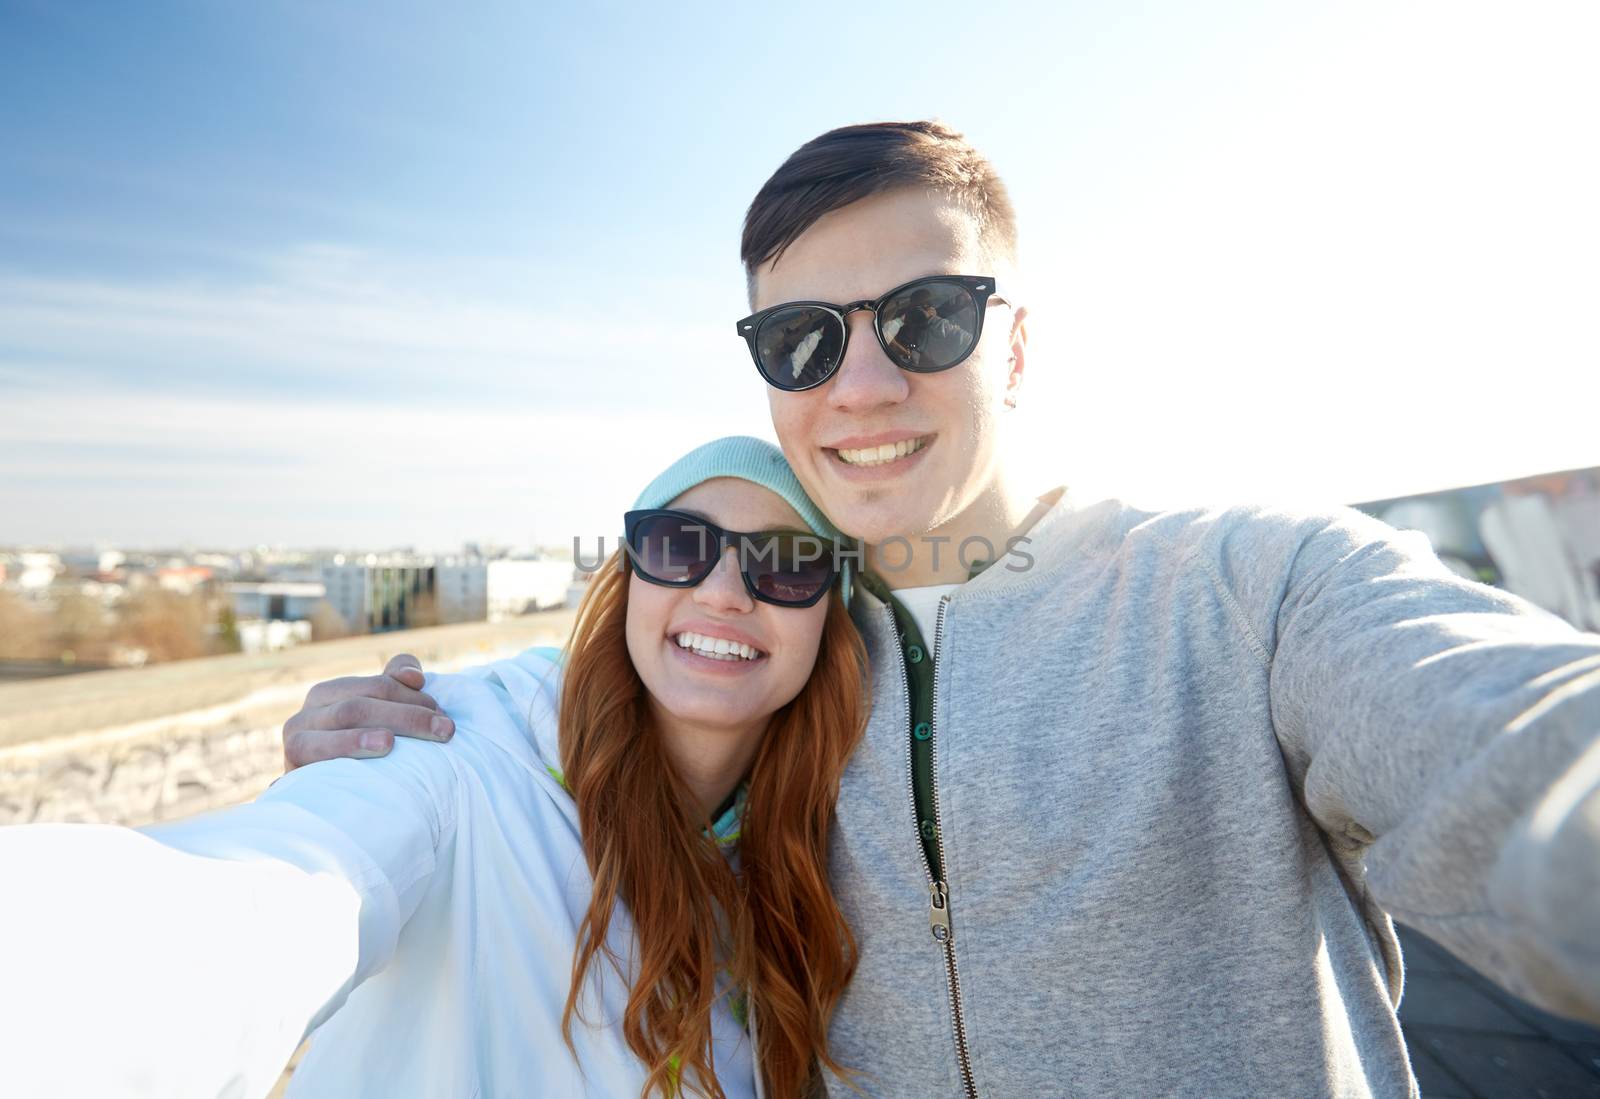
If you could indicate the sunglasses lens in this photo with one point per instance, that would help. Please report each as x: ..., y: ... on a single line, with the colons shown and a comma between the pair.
x: 790, y: 568
x: 671, y: 548
x: 929, y: 326
x: 799, y: 347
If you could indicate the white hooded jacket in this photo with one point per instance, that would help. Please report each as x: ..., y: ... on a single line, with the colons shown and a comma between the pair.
x: 419, y: 911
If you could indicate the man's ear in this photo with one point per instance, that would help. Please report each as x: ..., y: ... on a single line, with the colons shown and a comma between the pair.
x: 1019, y: 351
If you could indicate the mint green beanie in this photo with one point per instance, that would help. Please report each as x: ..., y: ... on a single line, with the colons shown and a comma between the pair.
x: 749, y: 459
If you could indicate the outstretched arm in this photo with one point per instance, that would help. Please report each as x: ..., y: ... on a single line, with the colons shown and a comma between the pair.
x: 1446, y: 737
x: 189, y: 959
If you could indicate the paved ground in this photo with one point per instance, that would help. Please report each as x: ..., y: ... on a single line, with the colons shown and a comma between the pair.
x: 1470, y: 1040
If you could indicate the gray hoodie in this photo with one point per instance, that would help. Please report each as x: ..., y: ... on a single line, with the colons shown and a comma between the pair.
x: 1185, y: 767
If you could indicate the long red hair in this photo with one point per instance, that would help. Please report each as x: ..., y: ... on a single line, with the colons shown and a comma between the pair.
x: 774, y: 926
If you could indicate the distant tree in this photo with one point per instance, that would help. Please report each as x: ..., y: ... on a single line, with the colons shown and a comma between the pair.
x: 24, y: 630
x: 81, y: 629
x: 327, y: 623
x: 165, y: 624
x: 228, y: 630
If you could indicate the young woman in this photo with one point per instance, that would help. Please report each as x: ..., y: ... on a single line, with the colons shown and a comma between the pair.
x: 611, y: 882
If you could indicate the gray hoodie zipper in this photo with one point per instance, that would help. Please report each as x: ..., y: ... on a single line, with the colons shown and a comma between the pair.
x: 938, y: 891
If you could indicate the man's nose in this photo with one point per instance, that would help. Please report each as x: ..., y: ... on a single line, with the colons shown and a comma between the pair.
x: 724, y: 589
x: 866, y: 380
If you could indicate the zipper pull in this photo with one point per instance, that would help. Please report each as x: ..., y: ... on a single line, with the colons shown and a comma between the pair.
x: 939, y: 912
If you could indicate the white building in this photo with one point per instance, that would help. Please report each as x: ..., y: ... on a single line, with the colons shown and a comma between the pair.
x: 258, y: 635
x: 472, y: 591
x: 276, y: 600
x: 462, y: 590
x: 37, y: 570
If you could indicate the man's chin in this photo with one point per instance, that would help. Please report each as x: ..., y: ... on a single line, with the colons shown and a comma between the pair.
x: 870, y: 513
x: 873, y: 520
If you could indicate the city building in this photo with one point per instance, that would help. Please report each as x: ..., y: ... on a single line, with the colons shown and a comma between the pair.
x: 377, y: 593
x: 401, y: 591
x: 183, y: 579
x: 1538, y: 537
x: 475, y: 591
x: 37, y: 571
x: 261, y: 635
x: 276, y: 600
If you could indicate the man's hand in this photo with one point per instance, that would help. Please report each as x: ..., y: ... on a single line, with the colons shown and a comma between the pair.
x: 359, y: 716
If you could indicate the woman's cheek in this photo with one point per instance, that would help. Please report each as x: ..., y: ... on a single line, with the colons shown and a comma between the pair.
x: 801, y: 648
x: 646, y: 625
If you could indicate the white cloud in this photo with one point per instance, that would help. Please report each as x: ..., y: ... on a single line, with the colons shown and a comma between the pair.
x: 327, y: 316
x: 329, y: 402
x: 155, y: 470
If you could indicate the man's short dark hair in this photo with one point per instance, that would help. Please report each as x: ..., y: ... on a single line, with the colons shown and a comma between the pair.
x: 851, y: 163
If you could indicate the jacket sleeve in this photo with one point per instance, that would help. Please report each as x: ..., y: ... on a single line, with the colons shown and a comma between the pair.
x: 189, y: 959
x: 1446, y: 737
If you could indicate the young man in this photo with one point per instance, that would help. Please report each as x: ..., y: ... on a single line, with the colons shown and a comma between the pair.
x: 1141, y: 792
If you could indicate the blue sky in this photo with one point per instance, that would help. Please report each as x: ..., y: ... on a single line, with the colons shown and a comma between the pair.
x: 377, y: 274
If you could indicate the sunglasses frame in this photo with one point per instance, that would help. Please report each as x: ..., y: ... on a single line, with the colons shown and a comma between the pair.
x: 725, y: 538
x: 981, y: 287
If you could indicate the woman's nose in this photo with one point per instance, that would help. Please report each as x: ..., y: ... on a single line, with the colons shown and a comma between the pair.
x: 724, y: 589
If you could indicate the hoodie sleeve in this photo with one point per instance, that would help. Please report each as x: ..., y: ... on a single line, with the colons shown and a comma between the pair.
x: 189, y: 959
x: 1445, y: 736
x: 380, y: 825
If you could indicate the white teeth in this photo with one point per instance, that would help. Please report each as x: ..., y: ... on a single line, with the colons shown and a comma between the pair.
x: 877, y: 455
x: 718, y: 648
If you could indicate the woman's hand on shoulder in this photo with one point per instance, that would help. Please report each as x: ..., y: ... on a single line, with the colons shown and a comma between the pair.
x: 358, y: 716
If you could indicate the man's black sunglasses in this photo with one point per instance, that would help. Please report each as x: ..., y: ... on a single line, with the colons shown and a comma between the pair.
x: 926, y: 325
x: 679, y: 550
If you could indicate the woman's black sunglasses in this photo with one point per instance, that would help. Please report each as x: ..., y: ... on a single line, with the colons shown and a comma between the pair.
x: 678, y: 550
x: 927, y: 325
